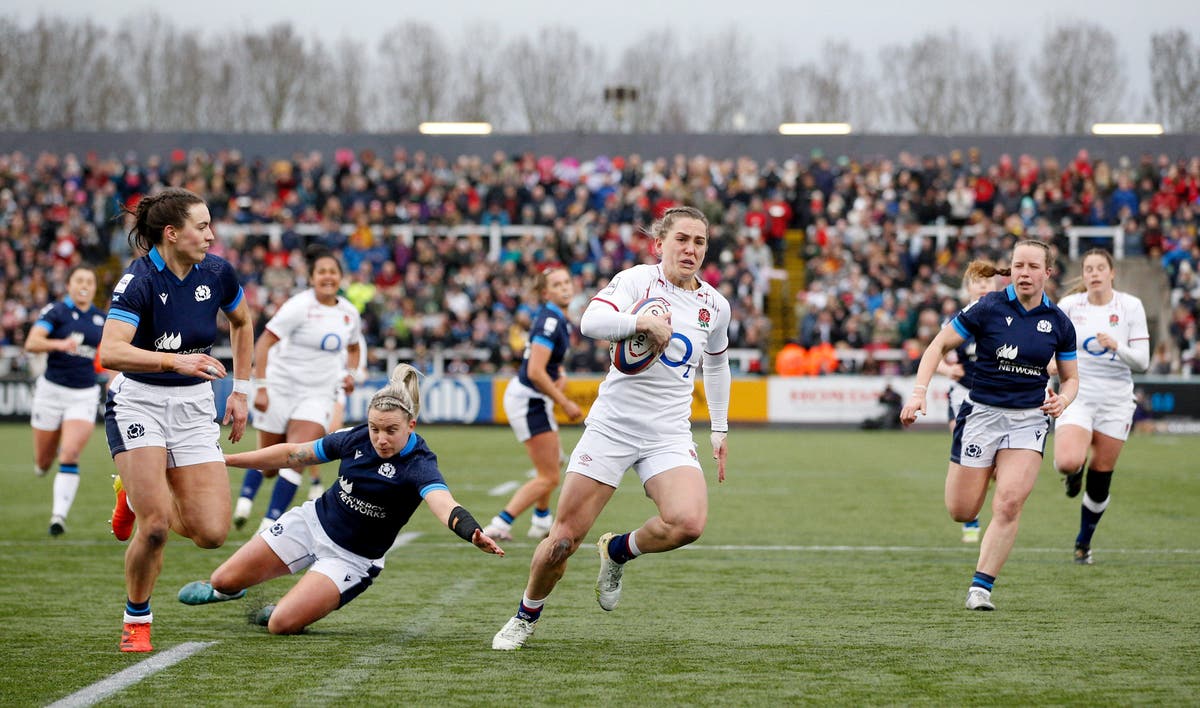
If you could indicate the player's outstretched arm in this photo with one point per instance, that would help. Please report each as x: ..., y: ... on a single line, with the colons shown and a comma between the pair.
x: 448, y: 511
x: 294, y: 455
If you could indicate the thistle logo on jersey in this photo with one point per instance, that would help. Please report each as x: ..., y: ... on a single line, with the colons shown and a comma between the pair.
x: 973, y: 450
x: 98, y: 320
x: 1043, y: 325
x: 135, y: 430
x: 387, y: 469
x: 168, y: 340
x: 202, y: 293
x: 1007, y: 351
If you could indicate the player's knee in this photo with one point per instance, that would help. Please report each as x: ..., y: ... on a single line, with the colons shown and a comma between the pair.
x: 1006, y: 508
x: 961, y: 514
x: 282, y: 624
x: 211, y: 537
x: 224, y: 581
x: 153, y: 532
x: 1068, y: 463
x: 688, y: 528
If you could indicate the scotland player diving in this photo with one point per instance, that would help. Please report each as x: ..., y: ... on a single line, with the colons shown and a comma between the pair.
x: 386, y: 471
x: 1002, y: 426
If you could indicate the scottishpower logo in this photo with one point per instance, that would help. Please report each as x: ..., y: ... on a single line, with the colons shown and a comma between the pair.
x: 168, y: 340
x: 449, y: 399
x: 1007, y: 351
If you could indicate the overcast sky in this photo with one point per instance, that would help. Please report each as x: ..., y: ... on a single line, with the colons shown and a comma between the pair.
x: 785, y: 29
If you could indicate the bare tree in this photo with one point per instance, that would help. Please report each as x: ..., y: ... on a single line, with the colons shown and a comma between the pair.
x: 556, y: 80
x: 477, y: 79
x: 1079, y: 76
x: 1175, y: 78
x: 275, y: 61
x: 997, y: 96
x: 651, y: 64
x: 718, y: 73
x: 835, y: 88
x: 416, y: 66
x: 927, y: 81
x: 340, y: 100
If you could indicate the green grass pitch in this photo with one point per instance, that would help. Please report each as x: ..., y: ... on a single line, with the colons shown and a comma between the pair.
x: 829, y: 574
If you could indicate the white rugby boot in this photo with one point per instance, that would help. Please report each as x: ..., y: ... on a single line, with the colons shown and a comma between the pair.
x: 513, y: 634
x: 608, y: 583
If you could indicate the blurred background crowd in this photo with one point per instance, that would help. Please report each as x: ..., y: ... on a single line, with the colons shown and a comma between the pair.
x: 439, y: 252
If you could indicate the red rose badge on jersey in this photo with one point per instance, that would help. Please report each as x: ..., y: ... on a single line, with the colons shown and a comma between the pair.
x: 1113, y: 320
x: 705, y: 317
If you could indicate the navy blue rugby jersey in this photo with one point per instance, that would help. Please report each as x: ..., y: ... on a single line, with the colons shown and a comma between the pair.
x: 552, y: 330
x: 373, y: 497
x: 172, y: 315
x: 968, y: 360
x: 65, y: 320
x: 1013, y: 346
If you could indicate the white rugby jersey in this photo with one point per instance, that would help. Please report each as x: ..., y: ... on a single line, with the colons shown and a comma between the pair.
x: 1101, y: 371
x: 312, y: 337
x: 658, y: 401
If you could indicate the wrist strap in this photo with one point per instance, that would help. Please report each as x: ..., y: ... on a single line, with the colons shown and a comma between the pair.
x: 241, y: 386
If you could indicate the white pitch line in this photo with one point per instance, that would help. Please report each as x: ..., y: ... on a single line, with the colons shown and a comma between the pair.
x: 403, y: 539
x: 503, y: 490
x: 121, y: 680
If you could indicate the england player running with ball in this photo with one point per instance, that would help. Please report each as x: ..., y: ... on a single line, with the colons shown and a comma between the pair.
x: 1113, y: 343
x: 1002, y: 426
x: 386, y: 471
x: 642, y: 421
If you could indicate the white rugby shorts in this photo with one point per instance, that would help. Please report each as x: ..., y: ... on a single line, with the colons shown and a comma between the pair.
x: 179, y: 418
x: 1111, y: 416
x: 605, y: 458
x: 52, y: 404
x: 982, y: 430
x: 285, y: 406
x: 529, y: 411
x: 298, y: 539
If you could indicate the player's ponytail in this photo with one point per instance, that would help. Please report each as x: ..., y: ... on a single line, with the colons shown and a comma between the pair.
x: 403, y: 392
x: 982, y: 270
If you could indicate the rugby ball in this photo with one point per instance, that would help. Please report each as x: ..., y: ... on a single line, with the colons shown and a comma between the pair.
x: 634, y: 354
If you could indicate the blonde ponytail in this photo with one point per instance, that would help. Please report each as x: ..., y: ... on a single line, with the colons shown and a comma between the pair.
x: 403, y: 392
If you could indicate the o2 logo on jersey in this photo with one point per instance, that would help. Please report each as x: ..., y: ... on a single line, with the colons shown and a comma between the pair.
x: 387, y: 469
x: 202, y: 293
x: 331, y: 343
x: 687, y: 354
x: 1090, y: 344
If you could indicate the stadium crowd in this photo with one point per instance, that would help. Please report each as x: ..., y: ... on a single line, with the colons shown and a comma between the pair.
x: 870, y: 284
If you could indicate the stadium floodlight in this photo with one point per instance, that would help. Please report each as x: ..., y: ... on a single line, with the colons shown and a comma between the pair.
x: 814, y: 128
x: 435, y: 128
x: 1127, y: 129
